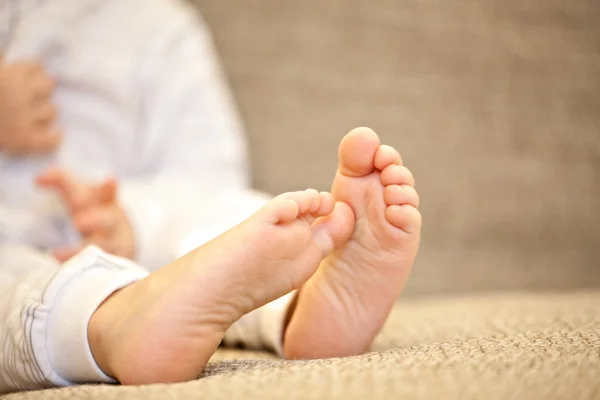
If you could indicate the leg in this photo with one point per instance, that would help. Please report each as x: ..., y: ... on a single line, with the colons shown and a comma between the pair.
x: 344, y: 305
x: 44, y: 312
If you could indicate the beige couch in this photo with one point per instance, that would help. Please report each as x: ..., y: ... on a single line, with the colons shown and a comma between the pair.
x: 495, y: 106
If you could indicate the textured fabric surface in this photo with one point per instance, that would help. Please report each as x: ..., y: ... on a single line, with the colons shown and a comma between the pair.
x: 495, y: 106
x: 543, y: 346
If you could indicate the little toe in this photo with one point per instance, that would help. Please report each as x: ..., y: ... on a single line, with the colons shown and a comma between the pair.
x: 404, y: 217
x: 397, y: 175
x: 386, y: 155
x: 401, y: 194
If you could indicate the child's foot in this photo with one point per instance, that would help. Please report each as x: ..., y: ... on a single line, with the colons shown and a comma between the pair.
x: 344, y: 305
x: 165, y: 328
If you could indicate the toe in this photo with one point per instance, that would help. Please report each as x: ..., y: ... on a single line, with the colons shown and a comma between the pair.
x: 333, y: 231
x: 314, y: 198
x: 397, y: 175
x: 357, y: 152
x: 401, y: 194
x: 326, y: 205
x: 304, y: 199
x: 405, y: 217
x: 386, y: 155
x: 280, y: 210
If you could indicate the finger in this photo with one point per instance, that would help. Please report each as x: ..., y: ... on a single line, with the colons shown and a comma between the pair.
x: 107, y: 191
x: 43, y: 142
x: 73, y: 193
x: 46, y: 114
x: 100, y: 220
x: 55, y: 178
x: 30, y: 67
x: 42, y: 88
x: 103, y: 194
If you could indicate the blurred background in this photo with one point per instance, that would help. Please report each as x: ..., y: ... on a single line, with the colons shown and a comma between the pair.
x: 494, y: 105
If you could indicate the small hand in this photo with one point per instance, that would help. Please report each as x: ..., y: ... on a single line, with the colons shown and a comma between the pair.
x: 96, y: 214
x: 27, y: 115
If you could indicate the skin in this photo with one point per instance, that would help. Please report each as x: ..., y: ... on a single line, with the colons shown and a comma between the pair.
x: 165, y: 327
x: 96, y: 214
x: 27, y: 115
x: 340, y: 310
x: 349, y: 260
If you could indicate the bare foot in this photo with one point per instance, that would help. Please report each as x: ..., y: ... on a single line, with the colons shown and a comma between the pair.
x: 165, y: 328
x: 344, y: 305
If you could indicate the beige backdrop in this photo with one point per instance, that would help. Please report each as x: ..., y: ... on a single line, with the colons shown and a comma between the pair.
x: 495, y: 105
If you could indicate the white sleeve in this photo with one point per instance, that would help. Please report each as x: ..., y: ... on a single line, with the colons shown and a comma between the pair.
x: 44, y: 313
x: 191, y: 137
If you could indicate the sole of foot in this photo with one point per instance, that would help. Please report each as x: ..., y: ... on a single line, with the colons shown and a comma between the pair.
x: 341, y: 309
x: 164, y: 328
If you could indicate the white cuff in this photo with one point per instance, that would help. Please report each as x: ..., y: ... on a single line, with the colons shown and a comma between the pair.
x: 74, y: 294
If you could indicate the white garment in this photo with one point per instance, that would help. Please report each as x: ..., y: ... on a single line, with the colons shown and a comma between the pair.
x: 45, y: 310
x: 141, y: 97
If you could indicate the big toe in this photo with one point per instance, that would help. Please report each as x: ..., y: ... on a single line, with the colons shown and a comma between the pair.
x: 357, y: 152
